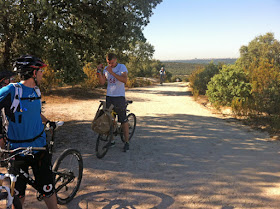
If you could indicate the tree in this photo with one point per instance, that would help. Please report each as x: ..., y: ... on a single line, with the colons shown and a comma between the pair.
x: 262, y: 47
x: 70, y: 33
x: 261, y: 60
x: 139, y: 59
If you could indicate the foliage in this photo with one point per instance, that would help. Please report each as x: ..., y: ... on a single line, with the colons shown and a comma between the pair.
x: 266, y: 87
x: 140, y: 63
x: 261, y: 60
x: 49, y: 80
x: 200, y: 78
x: 264, y: 47
x: 91, y: 81
x: 137, y: 82
x: 205, y: 61
x: 70, y: 33
x: 230, y: 87
x: 177, y: 68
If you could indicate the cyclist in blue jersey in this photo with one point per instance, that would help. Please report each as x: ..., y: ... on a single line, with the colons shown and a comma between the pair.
x: 22, y: 105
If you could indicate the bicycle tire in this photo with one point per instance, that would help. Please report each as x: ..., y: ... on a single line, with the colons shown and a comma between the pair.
x: 103, y: 143
x: 131, y: 118
x: 132, y: 124
x: 16, y: 201
x: 68, y: 180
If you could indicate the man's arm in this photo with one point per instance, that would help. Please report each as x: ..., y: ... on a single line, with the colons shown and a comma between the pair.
x: 100, y: 75
x: 44, y: 119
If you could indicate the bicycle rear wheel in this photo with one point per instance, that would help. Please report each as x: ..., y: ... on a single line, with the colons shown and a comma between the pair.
x: 16, y: 201
x: 132, y: 124
x: 68, y: 172
x: 103, y: 144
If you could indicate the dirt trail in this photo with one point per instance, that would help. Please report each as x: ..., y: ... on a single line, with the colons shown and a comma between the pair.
x: 182, y: 156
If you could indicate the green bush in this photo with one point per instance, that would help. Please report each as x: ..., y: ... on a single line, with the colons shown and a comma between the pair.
x: 230, y: 87
x: 200, y: 78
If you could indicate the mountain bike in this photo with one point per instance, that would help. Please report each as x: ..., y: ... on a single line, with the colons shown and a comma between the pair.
x: 103, y: 141
x: 67, y: 170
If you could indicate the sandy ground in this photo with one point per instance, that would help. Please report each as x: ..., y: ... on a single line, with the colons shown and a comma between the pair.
x: 182, y: 156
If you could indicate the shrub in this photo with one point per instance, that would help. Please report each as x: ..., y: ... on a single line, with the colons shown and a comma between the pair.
x: 265, y: 79
x: 230, y: 87
x: 131, y: 82
x: 49, y: 80
x: 200, y: 78
x: 137, y: 82
x: 91, y: 80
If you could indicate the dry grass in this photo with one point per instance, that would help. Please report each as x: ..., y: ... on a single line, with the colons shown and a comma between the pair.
x: 261, y: 123
x: 71, y: 94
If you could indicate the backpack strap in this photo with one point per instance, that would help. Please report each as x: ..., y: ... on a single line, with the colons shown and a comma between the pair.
x: 110, y: 108
x: 37, y: 90
x: 18, y: 95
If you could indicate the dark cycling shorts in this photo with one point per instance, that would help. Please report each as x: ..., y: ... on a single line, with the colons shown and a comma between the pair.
x: 119, y: 107
x: 42, y: 170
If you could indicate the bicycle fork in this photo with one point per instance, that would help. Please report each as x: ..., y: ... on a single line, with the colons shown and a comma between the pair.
x: 11, y: 190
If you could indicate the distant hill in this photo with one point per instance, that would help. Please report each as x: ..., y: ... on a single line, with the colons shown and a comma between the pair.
x: 180, y: 68
x: 186, y: 67
x: 204, y: 61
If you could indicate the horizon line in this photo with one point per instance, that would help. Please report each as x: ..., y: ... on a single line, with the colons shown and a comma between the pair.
x: 197, y: 59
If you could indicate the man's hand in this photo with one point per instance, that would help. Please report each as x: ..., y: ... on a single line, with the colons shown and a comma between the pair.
x: 109, y: 69
x: 99, y: 68
x: 51, y: 124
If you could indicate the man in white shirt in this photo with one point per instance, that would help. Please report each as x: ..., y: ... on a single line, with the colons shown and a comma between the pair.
x: 116, y: 75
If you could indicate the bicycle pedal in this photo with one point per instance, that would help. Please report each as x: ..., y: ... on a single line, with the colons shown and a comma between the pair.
x: 39, y: 196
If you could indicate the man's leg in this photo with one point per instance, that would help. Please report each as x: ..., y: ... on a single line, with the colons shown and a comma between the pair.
x: 125, y: 128
x: 51, y: 202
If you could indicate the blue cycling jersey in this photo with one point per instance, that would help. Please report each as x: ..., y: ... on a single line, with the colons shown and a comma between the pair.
x: 26, y: 124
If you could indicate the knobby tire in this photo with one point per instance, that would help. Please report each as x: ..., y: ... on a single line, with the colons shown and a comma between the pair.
x: 68, y: 169
x: 103, y: 143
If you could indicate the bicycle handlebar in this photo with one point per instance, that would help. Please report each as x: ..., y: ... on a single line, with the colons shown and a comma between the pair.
x: 27, y: 149
x: 126, y: 101
x: 57, y: 123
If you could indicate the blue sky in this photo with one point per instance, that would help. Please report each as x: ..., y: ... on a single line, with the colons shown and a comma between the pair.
x: 189, y: 29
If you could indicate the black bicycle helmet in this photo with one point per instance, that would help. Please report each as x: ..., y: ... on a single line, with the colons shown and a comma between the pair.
x: 25, y: 65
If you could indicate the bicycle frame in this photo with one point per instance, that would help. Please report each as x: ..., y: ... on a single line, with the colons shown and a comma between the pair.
x: 26, y: 177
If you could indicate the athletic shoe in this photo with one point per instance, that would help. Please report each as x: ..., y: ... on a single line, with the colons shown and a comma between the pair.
x: 126, y: 147
x: 113, y: 143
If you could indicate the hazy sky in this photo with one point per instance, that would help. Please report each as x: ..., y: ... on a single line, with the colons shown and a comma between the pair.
x: 188, y: 29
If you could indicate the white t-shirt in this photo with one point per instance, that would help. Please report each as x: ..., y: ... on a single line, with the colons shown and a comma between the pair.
x: 115, y: 88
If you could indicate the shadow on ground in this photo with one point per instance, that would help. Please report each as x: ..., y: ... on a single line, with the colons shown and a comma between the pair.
x: 193, y: 161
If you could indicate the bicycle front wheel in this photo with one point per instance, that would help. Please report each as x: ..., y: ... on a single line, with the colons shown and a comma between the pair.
x: 68, y: 172
x: 103, y: 143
